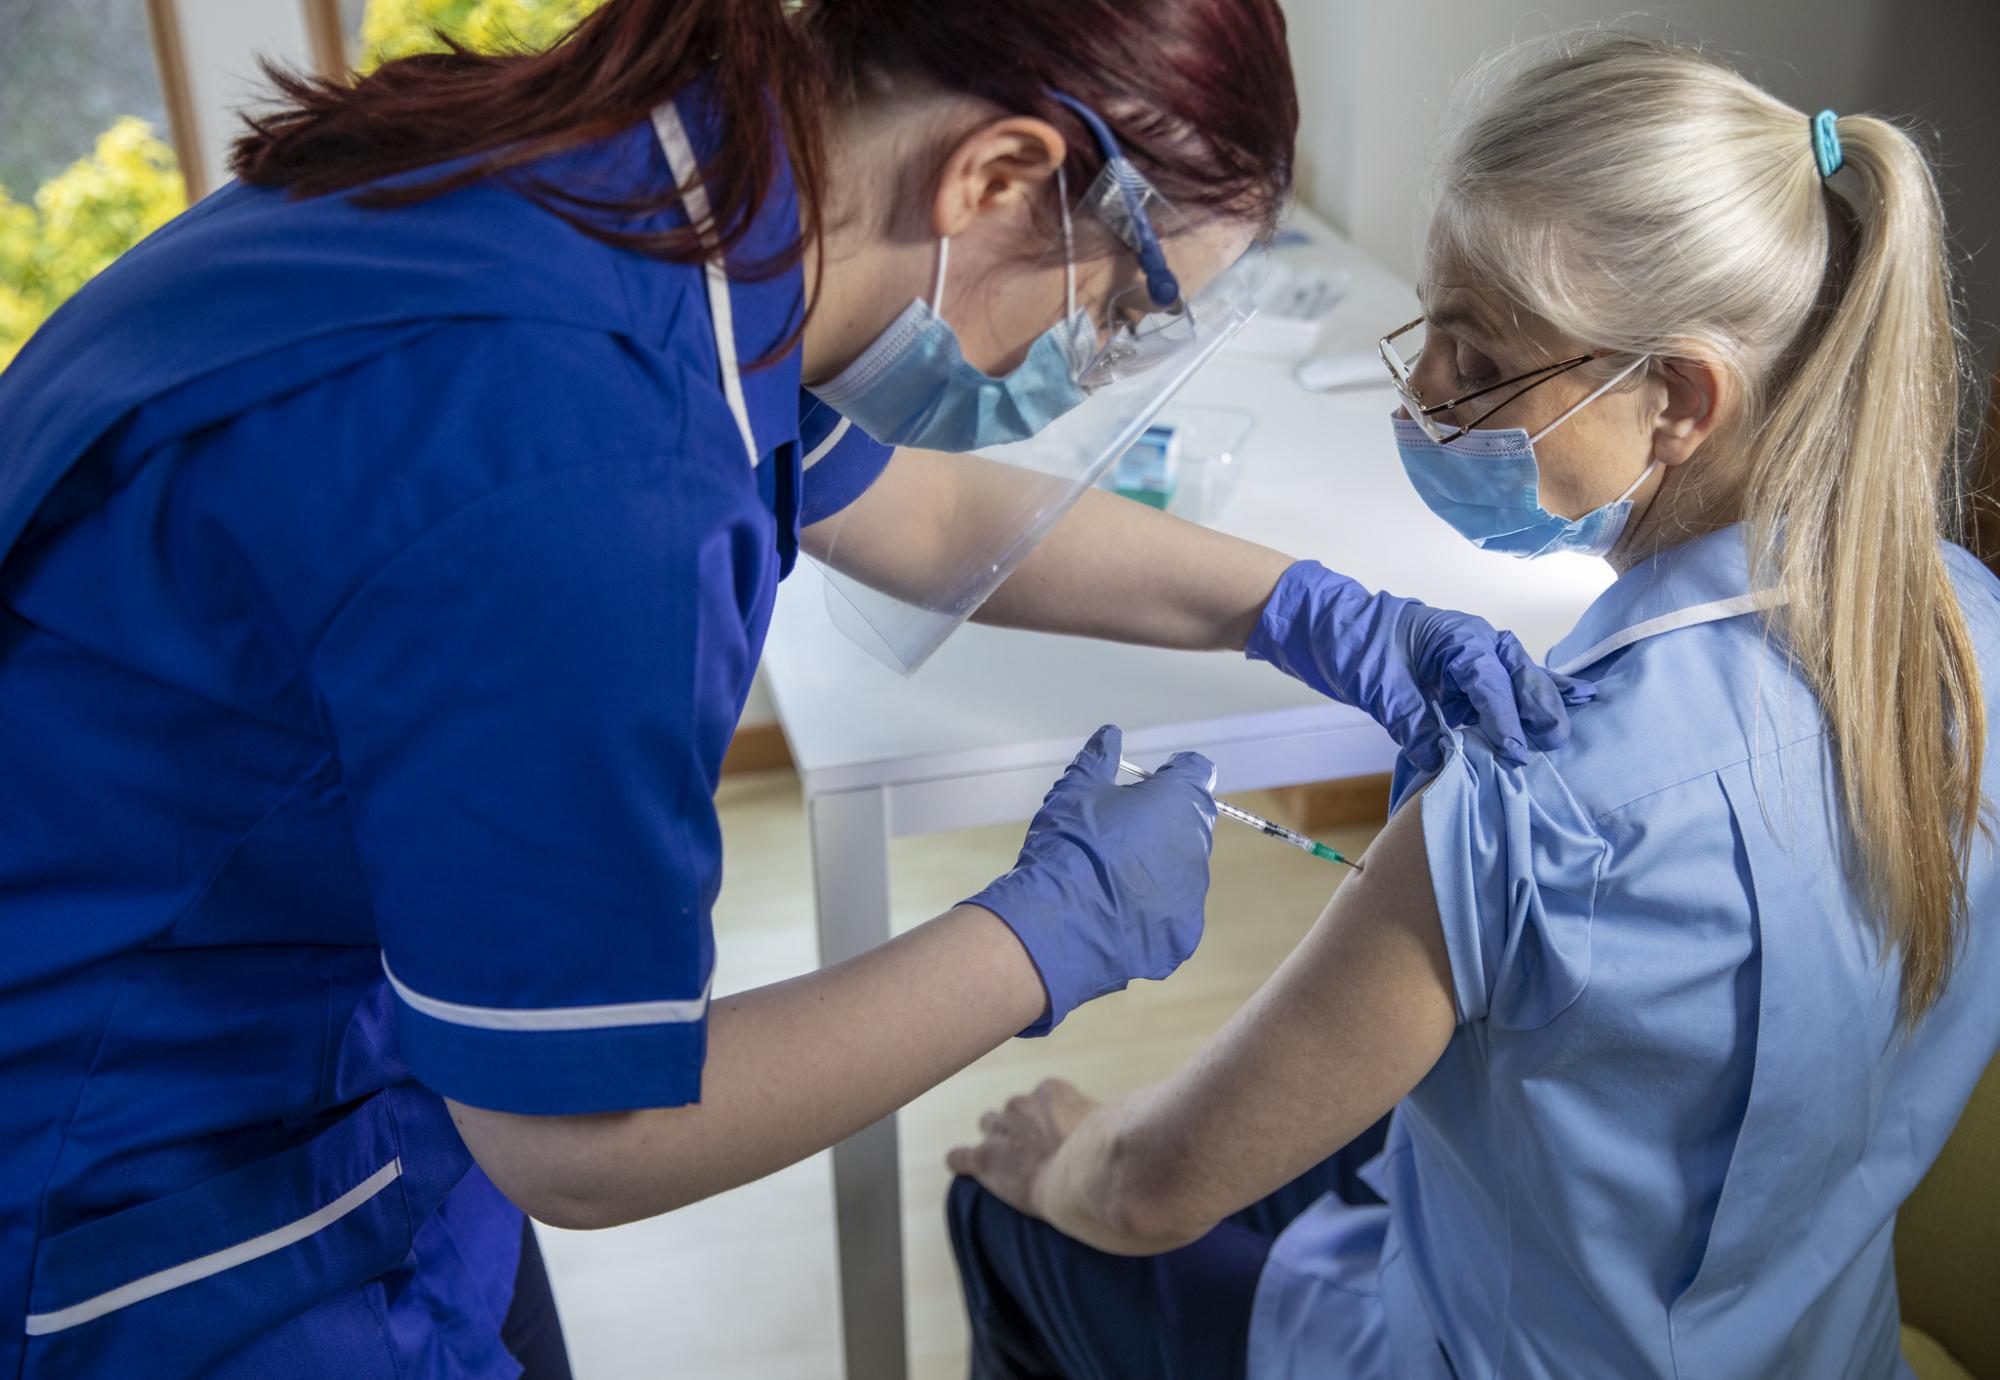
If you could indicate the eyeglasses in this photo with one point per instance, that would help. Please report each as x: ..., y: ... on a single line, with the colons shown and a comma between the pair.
x: 1425, y: 414
x: 1137, y: 339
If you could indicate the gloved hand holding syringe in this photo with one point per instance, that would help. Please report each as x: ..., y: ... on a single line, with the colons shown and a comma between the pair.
x: 1259, y: 823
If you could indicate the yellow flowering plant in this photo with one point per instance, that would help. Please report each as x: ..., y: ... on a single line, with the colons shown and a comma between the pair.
x: 397, y: 28
x: 81, y: 219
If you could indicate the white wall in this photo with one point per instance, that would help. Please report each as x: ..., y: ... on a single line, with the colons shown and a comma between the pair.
x: 759, y: 709
x: 1374, y: 78
x: 1934, y: 61
x: 222, y: 40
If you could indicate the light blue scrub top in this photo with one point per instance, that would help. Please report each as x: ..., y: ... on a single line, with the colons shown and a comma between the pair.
x: 1671, y: 1133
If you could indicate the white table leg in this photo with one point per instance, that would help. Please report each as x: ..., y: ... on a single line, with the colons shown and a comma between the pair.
x: 850, y: 859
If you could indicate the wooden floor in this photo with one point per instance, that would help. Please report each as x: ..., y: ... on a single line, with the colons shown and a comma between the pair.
x: 743, y: 1285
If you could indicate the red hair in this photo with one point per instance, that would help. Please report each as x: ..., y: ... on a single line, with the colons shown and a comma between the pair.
x: 1199, y: 92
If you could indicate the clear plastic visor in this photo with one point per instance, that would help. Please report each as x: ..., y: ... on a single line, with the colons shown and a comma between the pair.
x: 1004, y: 500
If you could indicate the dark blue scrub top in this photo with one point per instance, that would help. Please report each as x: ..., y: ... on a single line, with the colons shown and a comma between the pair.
x: 364, y: 684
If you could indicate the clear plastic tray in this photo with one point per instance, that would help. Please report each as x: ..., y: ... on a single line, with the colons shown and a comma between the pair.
x: 1210, y: 464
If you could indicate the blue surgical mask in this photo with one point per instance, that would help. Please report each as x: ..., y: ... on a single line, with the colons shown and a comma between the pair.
x: 914, y: 387
x: 1487, y: 485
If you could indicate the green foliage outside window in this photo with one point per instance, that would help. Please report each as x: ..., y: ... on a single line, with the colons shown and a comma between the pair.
x: 80, y: 220
x: 397, y: 28
x: 129, y: 184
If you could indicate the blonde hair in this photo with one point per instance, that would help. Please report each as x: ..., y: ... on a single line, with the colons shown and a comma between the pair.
x: 1644, y: 198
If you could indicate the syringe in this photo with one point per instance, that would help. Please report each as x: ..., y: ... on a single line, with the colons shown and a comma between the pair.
x: 1260, y: 824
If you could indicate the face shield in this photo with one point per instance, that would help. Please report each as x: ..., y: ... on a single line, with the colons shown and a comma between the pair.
x: 1165, y: 313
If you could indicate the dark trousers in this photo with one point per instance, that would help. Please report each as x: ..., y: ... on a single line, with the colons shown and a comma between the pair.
x: 532, y: 1331
x: 1044, y: 1307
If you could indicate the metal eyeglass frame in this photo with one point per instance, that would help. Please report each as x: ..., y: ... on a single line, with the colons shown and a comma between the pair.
x: 1413, y: 402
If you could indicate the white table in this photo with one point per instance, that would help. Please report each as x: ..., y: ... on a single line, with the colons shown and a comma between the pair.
x: 977, y: 735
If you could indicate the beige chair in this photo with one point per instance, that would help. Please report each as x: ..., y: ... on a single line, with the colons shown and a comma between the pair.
x: 1948, y: 1250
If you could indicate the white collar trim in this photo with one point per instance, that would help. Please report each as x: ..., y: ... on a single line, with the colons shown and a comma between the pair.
x: 1715, y: 611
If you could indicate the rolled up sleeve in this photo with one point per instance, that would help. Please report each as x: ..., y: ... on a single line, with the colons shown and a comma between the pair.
x: 530, y: 706
x: 1515, y: 864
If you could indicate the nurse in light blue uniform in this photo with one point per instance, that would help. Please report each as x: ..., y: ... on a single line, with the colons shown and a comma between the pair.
x: 1668, y: 1034
x: 379, y: 588
x: 1678, y: 1115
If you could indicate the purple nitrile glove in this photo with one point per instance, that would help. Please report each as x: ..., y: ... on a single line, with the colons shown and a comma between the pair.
x: 1111, y: 879
x: 1392, y: 658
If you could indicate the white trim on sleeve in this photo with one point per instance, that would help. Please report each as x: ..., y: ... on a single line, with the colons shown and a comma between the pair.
x: 820, y: 451
x: 546, y: 1018
x: 1713, y: 612
x: 214, y: 1263
x: 694, y: 198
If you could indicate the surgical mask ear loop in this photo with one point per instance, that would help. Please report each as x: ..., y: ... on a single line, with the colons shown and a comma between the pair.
x: 937, y: 285
x: 1633, y: 487
x: 1069, y: 257
x: 1604, y: 544
x: 1069, y: 245
x: 1592, y: 397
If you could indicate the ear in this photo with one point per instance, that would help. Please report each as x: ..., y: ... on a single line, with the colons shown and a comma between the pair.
x: 1695, y: 397
x: 998, y: 166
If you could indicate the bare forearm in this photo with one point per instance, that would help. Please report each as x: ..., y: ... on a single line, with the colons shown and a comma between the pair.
x: 1351, y: 1021
x: 792, y: 1068
x: 1111, y: 568
x: 1119, y: 570
x: 1088, y: 1190
x: 797, y: 1066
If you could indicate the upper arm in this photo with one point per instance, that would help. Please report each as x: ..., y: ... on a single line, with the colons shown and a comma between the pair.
x: 1475, y: 908
x: 924, y: 519
x: 897, y: 532
x: 1350, y: 1022
x: 855, y: 493
x: 906, y: 521
x: 529, y: 705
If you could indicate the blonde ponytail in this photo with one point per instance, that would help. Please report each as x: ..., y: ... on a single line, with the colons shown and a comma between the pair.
x: 1644, y: 198
x: 1848, y: 483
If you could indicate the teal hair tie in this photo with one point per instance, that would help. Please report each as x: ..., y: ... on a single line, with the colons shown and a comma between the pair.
x: 1826, y: 143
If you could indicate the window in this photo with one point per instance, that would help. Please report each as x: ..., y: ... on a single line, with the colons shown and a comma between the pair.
x: 86, y: 169
x: 88, y: 127
x: 352, y: 13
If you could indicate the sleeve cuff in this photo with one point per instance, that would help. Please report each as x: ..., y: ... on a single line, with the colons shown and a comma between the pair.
x: 554, y: 1067
x: 1453, y: 839
x: 839, y: 471
x: 1514, y: 861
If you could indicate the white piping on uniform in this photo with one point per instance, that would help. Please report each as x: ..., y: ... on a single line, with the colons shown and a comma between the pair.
x: 694, y: 199
x: 820, y: 451
x: 545, y: 1018
x: 1732, y: 607
x: 201, y: 1267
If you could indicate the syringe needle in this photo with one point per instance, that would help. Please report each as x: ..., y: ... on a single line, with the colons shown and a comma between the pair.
x: 1260, y: 824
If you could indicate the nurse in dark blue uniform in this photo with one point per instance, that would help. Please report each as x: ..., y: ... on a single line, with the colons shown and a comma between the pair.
x: 386, y: 548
